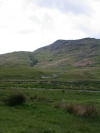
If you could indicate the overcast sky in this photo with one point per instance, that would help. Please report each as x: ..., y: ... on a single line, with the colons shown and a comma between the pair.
x: 26, y: 25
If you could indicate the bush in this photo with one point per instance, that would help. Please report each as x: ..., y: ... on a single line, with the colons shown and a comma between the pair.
x: 16, y: 99
x: 71, y: 108
x: 82, y: 110
x: 90, y: 111
x: 77, y: 109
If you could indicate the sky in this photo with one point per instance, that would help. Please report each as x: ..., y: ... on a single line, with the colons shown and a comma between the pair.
x: 26, y: 25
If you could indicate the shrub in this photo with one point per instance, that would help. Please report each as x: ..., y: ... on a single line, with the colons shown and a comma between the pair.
x: 82, y: 110
x: 71, y: 108
x: 90, y: 111
x: 77, y: 109
x: 16, y: 99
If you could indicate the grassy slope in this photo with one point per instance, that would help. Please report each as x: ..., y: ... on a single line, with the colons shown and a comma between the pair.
x: 70, y: 60
x: 76, y: 58
x: 69, y: 53
x: 21, y: 72
x: 15, y: 58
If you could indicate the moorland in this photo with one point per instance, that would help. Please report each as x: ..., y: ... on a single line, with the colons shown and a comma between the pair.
x: 55, y: 89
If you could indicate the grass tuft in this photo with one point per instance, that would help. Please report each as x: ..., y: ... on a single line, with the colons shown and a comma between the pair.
x: 61, y: 104
x: 91, y: 111
x: 82, y: 110
x: 16, y: 99
x: 39, y: 98
x: 77, y: 109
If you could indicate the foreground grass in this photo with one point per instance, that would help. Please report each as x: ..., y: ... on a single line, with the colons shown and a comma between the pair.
x: 39, y: 115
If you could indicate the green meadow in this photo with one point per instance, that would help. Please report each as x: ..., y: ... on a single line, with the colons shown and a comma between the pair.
x: 46, y: 111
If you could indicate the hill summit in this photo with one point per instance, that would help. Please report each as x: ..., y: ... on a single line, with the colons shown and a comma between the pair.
x: 70, y: 53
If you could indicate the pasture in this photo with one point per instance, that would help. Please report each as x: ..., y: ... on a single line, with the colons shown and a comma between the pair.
x: 45, y: 111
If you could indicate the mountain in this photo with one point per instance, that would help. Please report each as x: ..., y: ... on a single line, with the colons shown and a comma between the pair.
x: 70, y: 59
x: 70, y: 53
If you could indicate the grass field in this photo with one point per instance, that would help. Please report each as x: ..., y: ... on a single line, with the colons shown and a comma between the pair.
x: 21, y: 72
x: 59, y: 86
x: 40, y: 114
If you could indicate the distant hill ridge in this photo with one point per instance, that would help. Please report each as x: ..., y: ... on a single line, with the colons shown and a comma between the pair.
x: 60, y: 54
x: 73, y: 51
x: 69, y: 60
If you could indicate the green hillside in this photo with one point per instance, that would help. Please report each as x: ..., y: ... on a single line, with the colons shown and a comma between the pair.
x: 73, y: 53
x: 17, y: 58
x: 77, y: 59
x: 67, y: 60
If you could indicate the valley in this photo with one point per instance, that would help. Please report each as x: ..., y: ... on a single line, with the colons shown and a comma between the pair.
x: 55, y: 89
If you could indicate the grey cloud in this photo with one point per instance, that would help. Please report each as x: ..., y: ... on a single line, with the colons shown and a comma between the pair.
x: 74, y: 6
